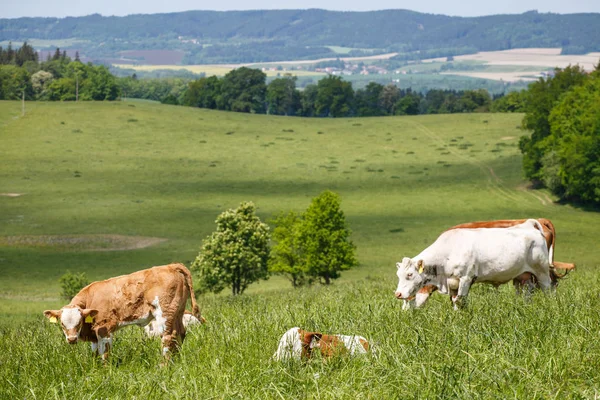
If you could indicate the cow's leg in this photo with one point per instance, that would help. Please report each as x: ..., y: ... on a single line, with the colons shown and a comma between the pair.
x: 464, y: 284
x: 104, y: 342
x: 95, y: 347
x: 423, y: 295
x: 408, y: 304
x: 544, y: 281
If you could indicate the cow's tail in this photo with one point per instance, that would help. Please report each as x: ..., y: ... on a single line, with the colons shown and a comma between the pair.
x: 188, y: 281
x: 554, y: 265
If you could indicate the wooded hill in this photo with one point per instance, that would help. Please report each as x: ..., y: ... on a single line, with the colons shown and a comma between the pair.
x: 271, y: 35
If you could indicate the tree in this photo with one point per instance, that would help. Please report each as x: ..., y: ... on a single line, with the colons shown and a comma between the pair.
x: 334, y: 97
x: 308, y: 97
x: 282, y: 96
x: 367, y: 100
x: 286, y: 253
x: 40, y: 82
x: 408, y: 104
x: 243, y: 90
x: 236, y: 254
x: 571, y: 162
x: 540, y: 98
x: 203, y: 93
x: 388, y: 97
x: 324, y: 238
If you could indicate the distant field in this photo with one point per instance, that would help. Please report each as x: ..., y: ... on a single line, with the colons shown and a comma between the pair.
x: 543, y: 59
x: 95, y: 179
x: 209, y: 70
x: 49, y: 43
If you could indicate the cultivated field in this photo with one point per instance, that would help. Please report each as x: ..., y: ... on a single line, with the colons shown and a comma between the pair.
x: 95, y: 178
x: 525, y: 58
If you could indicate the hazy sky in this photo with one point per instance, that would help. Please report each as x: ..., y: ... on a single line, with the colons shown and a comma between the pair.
x: 62, y: 8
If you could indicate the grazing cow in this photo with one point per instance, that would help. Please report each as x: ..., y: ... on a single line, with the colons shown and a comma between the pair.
x: 103, y: 307
x: 298, y: 344
x: 461, y: 257
x: 523, y: 283
x: 153, y: 328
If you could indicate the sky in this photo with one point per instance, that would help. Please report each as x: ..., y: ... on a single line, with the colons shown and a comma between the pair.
x: 467, y: 8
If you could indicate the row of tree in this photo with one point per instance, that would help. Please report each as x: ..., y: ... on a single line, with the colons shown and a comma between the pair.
x: 245, y: 90
x: 57, y: 78
x: 308, y: 248
x: 563, y: 151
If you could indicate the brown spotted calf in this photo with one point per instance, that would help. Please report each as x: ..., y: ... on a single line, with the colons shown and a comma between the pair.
x: 100, y: 309
x: 299, y: 344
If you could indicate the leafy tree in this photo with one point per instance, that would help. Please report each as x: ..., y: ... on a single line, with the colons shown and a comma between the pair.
x: 286, y: 253
x: 511, y: 102
x: 308, y: 98
x: 13, y: 81
x: 475, y: 100
x: 540, y: 98
x: 236, y: 254
x: 203, y: 93
x: 99, y: 84
x: 408, y: 104
x: 62, y: 89
x: 243, y: 90
x: 282, y: 96
x: 367, y: 100
x: 388, y: 98
x: 40, y: 82
x: 324, y: 237
x: 571, y: 163
x: 334, y: 97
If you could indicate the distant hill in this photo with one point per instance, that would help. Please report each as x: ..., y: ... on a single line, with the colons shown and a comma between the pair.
x: 275, y: 35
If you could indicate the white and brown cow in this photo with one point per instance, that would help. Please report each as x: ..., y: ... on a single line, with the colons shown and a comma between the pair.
x: 299, y: 344
x: 461, y: 257
x: 525, y: 282
x: 101, y: 308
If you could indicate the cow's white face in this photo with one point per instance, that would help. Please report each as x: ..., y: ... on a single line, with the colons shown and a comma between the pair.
x: 71, y: 320
x: 410, y: 278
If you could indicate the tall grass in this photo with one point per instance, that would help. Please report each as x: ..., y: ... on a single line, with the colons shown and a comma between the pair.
x: 501, y: 346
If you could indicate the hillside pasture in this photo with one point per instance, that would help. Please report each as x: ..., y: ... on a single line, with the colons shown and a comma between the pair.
x: 139, y: 169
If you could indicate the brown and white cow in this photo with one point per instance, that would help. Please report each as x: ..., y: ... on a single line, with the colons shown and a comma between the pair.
x: 103, y: 307
x: 525, y: 282
x: 299, y: 344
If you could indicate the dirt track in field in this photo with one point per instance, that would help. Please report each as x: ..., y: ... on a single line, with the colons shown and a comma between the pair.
x: 81, y: 242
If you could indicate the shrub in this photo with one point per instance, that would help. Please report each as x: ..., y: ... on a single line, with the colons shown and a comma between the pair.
x: 71, y: 284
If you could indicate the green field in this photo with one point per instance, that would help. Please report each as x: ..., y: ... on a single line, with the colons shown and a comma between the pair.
x: 98, y: 172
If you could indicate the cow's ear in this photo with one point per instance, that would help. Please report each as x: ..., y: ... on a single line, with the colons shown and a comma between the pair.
x: 404, y: 263
x: 52, y: 315
x: 88, y: 314
x: 420, y: 266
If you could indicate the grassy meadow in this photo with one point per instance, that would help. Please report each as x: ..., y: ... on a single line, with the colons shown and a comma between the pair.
x: 111, y: 188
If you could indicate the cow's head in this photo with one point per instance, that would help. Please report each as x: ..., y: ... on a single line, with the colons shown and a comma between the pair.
x: 71, y: 320
x: 411, y: 278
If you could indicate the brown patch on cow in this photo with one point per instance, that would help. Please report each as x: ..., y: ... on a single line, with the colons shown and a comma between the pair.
x: 328, y: 345
x: 82, y: 242
x: 364, y: 344
x: 11, y: 194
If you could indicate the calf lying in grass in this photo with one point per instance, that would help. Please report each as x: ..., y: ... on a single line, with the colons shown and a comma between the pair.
x: 299, y: 344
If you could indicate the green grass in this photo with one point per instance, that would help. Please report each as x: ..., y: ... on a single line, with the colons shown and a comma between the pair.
x: 144, y: 169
